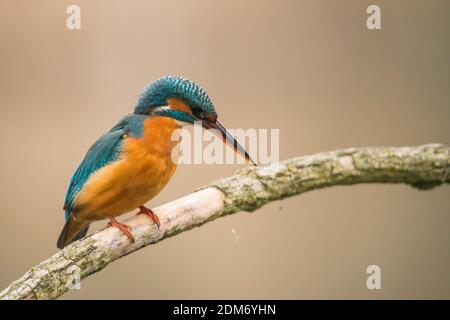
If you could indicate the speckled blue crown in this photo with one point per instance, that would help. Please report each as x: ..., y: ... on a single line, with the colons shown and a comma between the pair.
x: 157, y: 92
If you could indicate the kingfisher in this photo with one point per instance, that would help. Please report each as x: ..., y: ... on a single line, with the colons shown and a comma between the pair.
x: 132, y: 162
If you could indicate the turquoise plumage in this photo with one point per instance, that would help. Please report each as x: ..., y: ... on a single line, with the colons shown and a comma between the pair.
x: 157, y: 93
x: 104, y: 151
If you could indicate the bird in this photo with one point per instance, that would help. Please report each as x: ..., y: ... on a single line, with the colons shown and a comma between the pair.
x: 131, y: 163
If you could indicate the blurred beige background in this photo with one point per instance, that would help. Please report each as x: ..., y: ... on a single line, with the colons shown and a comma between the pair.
x: 310, y: 68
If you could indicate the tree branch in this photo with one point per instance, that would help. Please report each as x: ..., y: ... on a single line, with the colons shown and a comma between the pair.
x: 422, y: 167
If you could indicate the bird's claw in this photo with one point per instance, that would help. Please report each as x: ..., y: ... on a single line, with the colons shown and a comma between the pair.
x: 122, y: 227
x: 149, y: 212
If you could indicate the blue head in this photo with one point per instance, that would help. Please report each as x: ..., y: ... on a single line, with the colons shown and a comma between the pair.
x: 159, y: 93
x: 184, y: 101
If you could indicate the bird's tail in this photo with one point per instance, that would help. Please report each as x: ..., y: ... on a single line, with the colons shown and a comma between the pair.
x: 73, y: 230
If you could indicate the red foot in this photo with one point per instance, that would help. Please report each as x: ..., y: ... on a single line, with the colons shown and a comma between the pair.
x: 122, y: 227
x: 151, y: 214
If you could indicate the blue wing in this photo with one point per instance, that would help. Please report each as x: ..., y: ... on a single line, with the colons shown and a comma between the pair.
x: 104, y: 151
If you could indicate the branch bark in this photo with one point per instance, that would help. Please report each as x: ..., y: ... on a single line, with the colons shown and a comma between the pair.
x: 422, y: 167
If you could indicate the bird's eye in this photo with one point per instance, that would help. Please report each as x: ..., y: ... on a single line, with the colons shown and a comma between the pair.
x: 204, y: 116
x: 198, y: 113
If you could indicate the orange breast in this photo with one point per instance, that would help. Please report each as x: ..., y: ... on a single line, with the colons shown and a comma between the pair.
x: 144, y: 169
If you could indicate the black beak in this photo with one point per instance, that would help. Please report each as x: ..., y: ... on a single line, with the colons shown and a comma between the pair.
x: 228, y: 139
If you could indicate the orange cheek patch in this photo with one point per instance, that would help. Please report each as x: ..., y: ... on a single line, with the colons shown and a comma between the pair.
x: 178, y: 104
